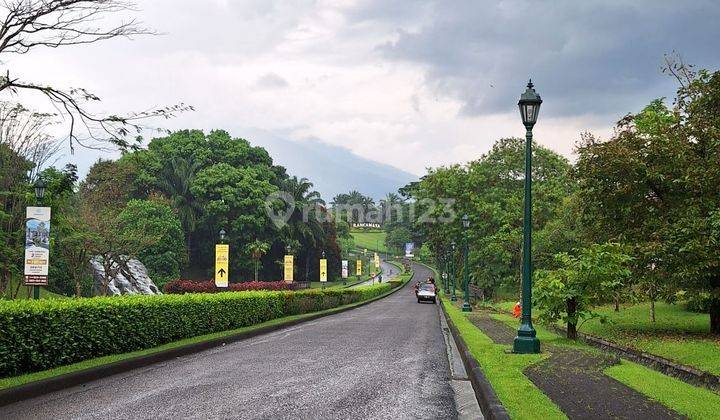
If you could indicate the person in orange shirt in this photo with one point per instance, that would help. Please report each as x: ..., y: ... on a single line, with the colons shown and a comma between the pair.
x: 517, y: 310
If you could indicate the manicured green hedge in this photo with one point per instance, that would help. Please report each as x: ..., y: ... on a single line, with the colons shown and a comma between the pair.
x: 42, y: 334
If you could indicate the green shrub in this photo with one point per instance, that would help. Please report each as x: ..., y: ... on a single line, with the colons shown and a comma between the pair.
x: 42, y: 334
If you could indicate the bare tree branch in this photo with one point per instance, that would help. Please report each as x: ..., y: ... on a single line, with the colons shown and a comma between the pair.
x: 54, y: 23
x: 25, y: 132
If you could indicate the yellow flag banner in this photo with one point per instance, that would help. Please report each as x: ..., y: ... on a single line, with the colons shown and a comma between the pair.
x: 323, y: 269
x: 358, y: 267
x: 288, y: 269
x: 222, y: 260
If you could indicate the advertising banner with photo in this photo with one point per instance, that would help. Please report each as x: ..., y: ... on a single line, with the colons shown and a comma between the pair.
x: 409, y: 249
x: 37, y: 246
x: 344, y: 269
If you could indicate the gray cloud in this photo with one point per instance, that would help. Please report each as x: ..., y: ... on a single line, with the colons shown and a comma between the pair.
x: 271, y: 81
x: 586, y: 57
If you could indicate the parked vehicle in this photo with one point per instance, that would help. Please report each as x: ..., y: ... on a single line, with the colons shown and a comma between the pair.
x: 427, y: 292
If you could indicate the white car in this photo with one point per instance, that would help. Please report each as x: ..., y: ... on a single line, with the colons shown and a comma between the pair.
x: 426, y: 292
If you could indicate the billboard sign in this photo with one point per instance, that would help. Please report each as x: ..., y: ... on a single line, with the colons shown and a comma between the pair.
x: 37, y: 246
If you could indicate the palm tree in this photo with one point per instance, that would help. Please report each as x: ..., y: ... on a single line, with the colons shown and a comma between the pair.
x: 175, y: 181
x: 308, y: 232
x: 387, y: 205
x: 257, y: 249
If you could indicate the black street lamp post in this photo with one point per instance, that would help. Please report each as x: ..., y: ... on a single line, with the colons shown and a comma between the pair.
x: 466, y: 268
x: 453, y: 297
x: 222, y: 236
x: 526, y: 340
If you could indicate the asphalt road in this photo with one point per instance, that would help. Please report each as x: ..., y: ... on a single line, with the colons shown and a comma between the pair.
x: 388, y: 272
x: 384, y: 360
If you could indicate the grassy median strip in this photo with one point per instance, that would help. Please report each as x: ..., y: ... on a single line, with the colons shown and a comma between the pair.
x: 521, y: 398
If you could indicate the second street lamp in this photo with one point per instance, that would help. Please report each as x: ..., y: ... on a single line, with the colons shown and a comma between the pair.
x: 466, y: 268
x: 526, y: 340
x: 453, y: 297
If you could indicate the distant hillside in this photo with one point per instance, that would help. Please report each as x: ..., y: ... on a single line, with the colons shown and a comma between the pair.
x: 332, y: 169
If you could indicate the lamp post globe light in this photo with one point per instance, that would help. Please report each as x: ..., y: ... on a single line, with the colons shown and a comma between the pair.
x: 453, y: 297
x: 526, y: 340
x: 39, y: 190
x: 466, y: 268
x: 39, y: 196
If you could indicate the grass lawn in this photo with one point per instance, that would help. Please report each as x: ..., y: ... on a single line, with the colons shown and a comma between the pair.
x: 521, y: 398
x: 694, y: 402
x: 676, y: 334
x: 372, y: 241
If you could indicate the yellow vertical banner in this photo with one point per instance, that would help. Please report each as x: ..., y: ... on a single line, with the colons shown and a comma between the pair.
x: 358, y: 267
x: 222, y: 259
x: 289, y: 269
x: 377, y: 260
x: 323, y: 269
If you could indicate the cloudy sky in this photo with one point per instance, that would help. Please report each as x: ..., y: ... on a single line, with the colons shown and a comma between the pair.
x: 408, y: 83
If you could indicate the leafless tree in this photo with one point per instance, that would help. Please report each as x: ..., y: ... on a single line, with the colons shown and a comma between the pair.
x: 26, y: 133
x: 27, y: 24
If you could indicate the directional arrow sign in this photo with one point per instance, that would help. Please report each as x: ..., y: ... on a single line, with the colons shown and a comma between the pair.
x: 323, y: 270
x: 222, y: 259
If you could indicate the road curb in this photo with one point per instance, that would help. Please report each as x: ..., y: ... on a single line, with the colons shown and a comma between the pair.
x: 490, y: 404
x: 60, y: 382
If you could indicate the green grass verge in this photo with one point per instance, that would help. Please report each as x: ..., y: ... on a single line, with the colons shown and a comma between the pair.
x: 691, y: 401
x: 86, y: 364
x: 677, y: 334
x: 521, y: 398
x: 694, y: 402
x: 372, y: 241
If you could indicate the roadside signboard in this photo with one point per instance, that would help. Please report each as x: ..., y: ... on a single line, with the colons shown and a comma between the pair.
x: 344, y: 269
x: 323, y: 270
x: 37, y: 246
x: 358, y: 267
x: 222, y: 260
x: 409, y: 248
x: 377, y: 260
x: 288, y: 269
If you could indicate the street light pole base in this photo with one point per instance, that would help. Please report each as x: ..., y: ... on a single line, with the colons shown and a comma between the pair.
x: 466, y: 307
x: 526, y: 345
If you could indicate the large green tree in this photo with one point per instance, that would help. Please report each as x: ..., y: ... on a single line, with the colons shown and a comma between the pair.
x: 656, y: 184
x: 490, y: 191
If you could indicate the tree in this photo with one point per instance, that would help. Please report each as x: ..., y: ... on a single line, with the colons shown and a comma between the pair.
x: 398, y: 237
x: 25, y: 132
x: 569, y: 292
x: 28, y: 24
x: 257, y: 249
x: 165, y: 256
x: 656, y: 184
x: 176, y: 181
x: 14, y: 197
x: 490, y: 191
